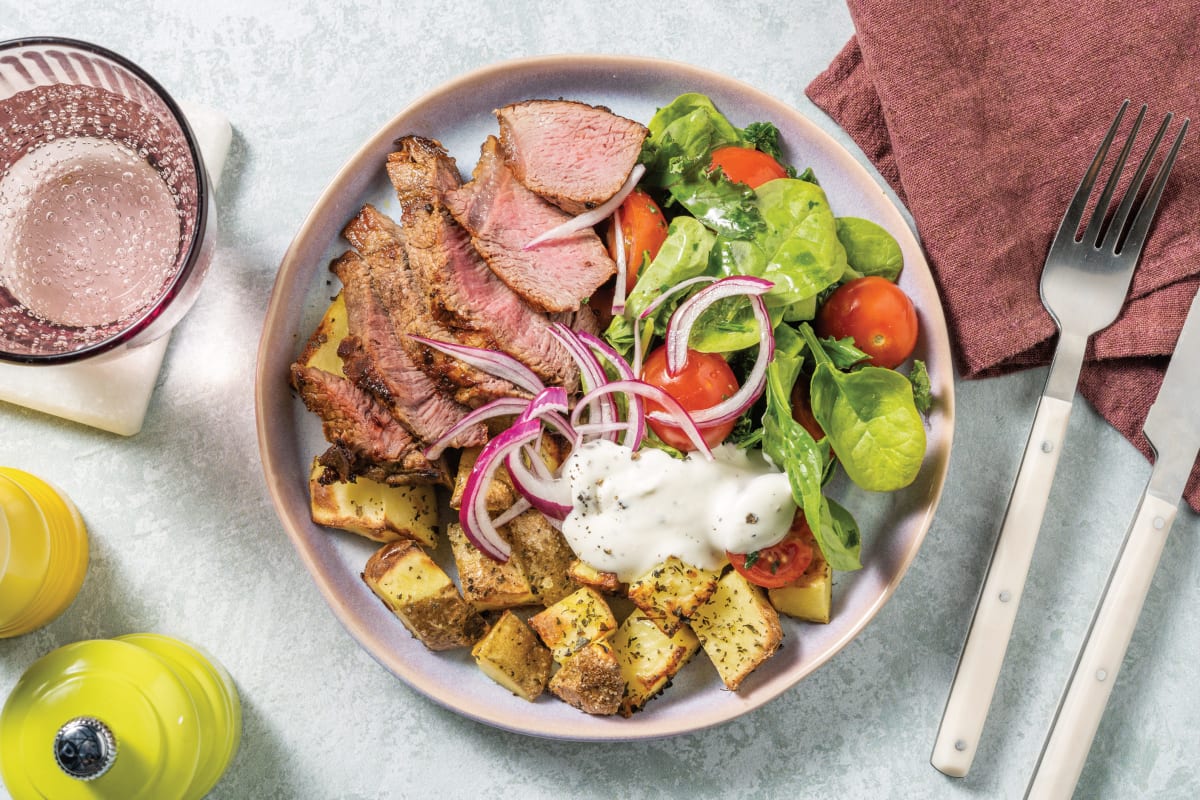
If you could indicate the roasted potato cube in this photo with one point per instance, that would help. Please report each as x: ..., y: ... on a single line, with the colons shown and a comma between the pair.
x: 810, y: 598
x: 585, y: 574
x: 671, y: 592
x: 511, y: 655
x: 374, y: 510
x: 486, y: 584
x: 320, y: 352
x: 590, y: 680
x: 543, y: 555
x: 574, y: 622
x: 737, y: 628
x: 500, y: 493
x: 649, y: 658
x: 417, y: 591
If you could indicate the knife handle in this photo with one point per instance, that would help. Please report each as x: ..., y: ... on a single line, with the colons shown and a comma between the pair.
x: 1082, y: 705
x: 996, y: 610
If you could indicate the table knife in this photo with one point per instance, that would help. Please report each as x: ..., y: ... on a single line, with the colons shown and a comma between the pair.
x: 1173, y: 428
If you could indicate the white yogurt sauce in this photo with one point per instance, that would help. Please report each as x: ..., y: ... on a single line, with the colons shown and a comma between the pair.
x: 634, y: 510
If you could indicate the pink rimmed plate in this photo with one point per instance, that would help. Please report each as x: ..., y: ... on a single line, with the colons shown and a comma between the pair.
x: 459, y: 114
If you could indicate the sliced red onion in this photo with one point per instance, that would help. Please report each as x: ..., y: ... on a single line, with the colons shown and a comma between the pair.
x: 500, y: 407
x: 679, y: 330
x: 549, y: 495
x: 493, y: 362
x: 674, y: 413
x: 637, y: 412
x: 618, y: 303
x: 593, y: 217
x: 592, y: 371
x: 552, y: 398
x: 515, y: 510
x: 473, y: 513
x: 674, y: 290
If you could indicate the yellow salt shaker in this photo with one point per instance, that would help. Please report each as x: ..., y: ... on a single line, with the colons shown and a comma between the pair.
x: 139, y: 716
x: 43, y: 552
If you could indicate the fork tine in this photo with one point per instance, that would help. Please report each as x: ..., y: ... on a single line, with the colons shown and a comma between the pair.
x: 1074, y: 213
x: 1096, y: 227
x: 1141, y: 223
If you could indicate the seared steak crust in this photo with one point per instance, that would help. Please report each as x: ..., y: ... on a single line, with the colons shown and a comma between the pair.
x: 408, y: 304
x: 575, y: 155
x: 366, y: 439
x: 373, y: 358
x: 464, y: 293
x: 502, y: 216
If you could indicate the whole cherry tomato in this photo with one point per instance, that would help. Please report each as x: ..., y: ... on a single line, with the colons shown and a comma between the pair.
x: 747, y: 165
x: 779, y: 564
x: 877, y: 314
x: 704, y: 381
x: 643, y: 229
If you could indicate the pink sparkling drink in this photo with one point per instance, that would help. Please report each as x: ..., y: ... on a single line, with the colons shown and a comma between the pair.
x: 105, y: 213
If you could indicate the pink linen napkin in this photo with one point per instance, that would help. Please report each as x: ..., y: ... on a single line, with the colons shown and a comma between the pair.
x: 983, y: 118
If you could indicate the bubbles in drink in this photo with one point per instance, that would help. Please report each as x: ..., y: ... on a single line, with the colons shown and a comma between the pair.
x: 89, y: 231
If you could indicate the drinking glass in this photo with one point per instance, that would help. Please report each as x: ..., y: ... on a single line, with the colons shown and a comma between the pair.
x: 106, y: 211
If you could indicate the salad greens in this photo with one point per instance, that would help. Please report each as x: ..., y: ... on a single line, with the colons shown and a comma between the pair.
x: 786, y: 232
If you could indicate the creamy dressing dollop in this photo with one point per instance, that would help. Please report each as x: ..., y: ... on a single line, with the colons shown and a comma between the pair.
x: 632, y: 510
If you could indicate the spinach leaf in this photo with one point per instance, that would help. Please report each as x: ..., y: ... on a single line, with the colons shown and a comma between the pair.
x: 839, y: 537
x: 870, y: 249
x: 682, y: 136
x: 918, y: 376
x: 803, y: 254
x: 684, y: 254
x: 784, y: 440
x: 764, y: 136
x: 870, y: 419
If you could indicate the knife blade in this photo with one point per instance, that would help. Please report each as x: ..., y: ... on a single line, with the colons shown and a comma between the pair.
x: 1173, y: 428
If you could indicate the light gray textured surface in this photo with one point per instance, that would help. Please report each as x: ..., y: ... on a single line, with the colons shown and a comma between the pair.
x: 185, y: 542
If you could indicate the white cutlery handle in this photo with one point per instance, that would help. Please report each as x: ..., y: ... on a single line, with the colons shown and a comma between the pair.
x: 1082, y: 705
x: 987, y: 640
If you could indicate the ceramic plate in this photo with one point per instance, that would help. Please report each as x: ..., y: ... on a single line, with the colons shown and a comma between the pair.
x: 460, y: 116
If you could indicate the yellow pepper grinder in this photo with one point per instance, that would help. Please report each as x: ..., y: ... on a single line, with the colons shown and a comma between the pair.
x: 43, y: 552
x: 138, y: 716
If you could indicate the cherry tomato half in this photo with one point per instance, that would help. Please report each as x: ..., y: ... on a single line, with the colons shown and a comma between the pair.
x: 747, y: 165
x: 779, y: 564
x: 643, y: 229
x: 877, y: 314
x: 704, y: 381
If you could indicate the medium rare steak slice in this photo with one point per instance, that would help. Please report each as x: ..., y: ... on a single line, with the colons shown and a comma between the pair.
x: 502, y: 216
x: 373, y: 358
x: 575, y: 155
x: 366, y: 439
x: 407, y: 303
x: 464, y: 292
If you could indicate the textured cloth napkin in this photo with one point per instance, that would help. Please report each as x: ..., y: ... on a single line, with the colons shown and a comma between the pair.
x: 983, y: 117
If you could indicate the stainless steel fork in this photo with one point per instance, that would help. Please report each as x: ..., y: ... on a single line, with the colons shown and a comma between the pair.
x: 1084, y: 283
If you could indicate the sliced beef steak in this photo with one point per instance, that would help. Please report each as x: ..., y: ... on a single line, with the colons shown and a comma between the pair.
x: 502, y: 216
x: 365, y: 438
x: 406, y: 301
x: 574, y: 155
x: 373, y: 357
x: 464, y: 292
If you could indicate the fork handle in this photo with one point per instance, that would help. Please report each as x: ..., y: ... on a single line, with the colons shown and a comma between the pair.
x: 996, y: 610
x: 1082, y: 705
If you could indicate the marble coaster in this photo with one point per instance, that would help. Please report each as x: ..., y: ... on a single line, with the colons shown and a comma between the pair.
x: 114, y: 394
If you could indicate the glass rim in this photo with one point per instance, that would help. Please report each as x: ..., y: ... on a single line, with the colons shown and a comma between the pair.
x: 203, y: 198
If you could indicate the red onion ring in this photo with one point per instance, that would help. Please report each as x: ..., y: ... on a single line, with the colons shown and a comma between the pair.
x: 679, y: 330
x: 675, y: 413
x: 473, y: 513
